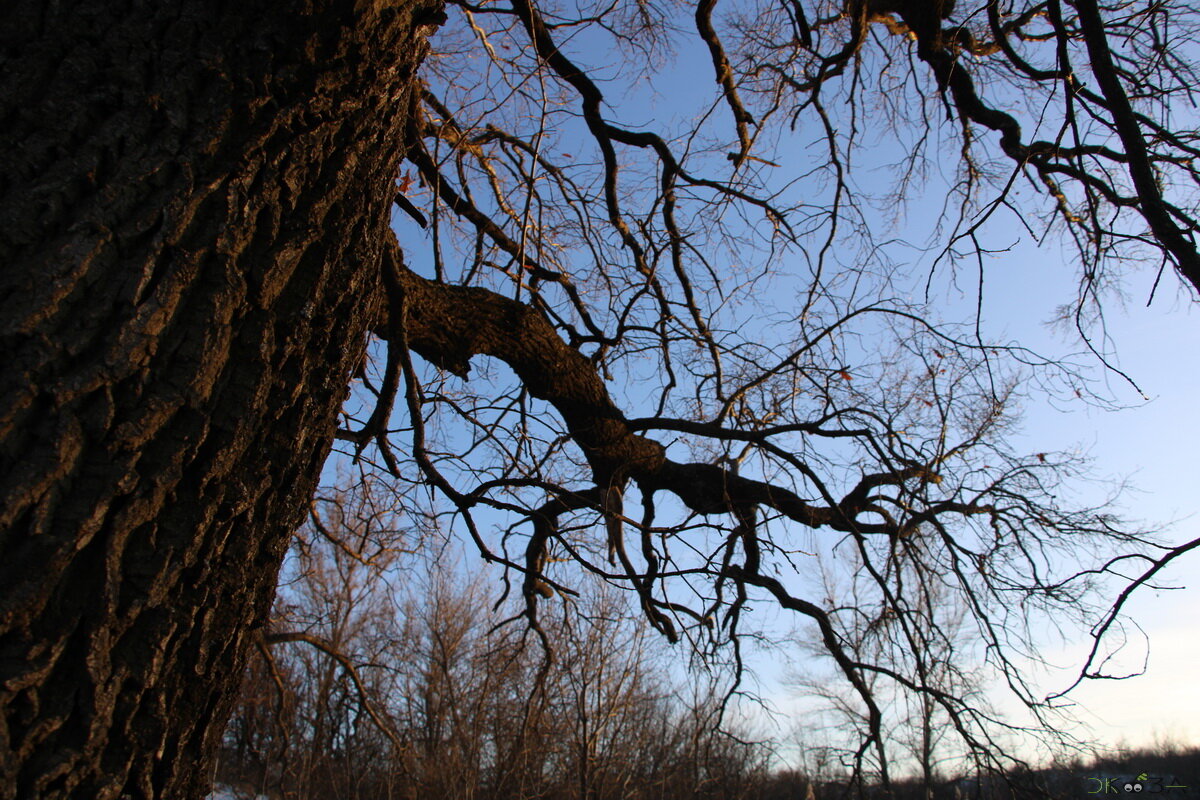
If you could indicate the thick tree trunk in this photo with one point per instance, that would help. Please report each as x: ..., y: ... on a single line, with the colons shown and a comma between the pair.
x: 194, y: 197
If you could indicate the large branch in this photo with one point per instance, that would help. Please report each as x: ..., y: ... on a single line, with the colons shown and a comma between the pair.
x: 448, y: 325
x: 1179, y: 243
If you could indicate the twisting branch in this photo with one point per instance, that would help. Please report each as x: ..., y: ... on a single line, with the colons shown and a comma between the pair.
x: 725, y: 77
x: 448, y: 325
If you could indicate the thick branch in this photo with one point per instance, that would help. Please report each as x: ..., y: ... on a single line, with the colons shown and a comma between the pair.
x: 1177, y: 242
x: 447, y: 325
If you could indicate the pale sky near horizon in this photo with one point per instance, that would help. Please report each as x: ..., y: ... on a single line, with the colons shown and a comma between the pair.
x: 1155, y: 444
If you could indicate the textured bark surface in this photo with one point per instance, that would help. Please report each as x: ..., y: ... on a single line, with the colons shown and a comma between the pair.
x: 194, y: 198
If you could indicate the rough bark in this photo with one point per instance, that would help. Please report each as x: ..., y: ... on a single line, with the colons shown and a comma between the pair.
x: 194, y: 199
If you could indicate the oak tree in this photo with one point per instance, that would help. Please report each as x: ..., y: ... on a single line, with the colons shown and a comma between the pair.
x: 707, y: 348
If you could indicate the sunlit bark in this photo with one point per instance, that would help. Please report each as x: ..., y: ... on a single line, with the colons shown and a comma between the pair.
x: 195, y: 199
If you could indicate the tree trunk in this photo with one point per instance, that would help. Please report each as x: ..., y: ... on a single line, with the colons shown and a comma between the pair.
x: 194, y: 198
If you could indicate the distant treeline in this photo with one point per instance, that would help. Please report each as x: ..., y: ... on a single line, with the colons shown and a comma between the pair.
x: 428, y: 690
x: 382, y: 680
x: 1170, y: 771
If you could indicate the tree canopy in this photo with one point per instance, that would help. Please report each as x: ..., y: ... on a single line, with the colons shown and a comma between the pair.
x: 723, y: 331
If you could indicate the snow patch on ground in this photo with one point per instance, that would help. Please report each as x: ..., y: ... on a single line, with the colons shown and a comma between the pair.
x: 220, y: 792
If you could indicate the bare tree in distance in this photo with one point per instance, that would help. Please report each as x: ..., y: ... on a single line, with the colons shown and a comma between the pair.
x: 689, y: 351
x: 931, y: 733
x: 368, y: 690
